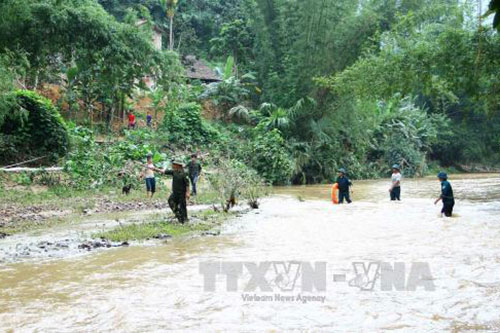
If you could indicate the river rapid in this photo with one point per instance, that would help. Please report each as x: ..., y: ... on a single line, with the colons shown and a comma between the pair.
x: 299, y: 263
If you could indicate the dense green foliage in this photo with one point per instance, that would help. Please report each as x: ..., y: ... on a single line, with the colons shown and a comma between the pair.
x: 7, y: 98
x: 453, y: 72
x: 78, y: 44
x: 268, y: 154
x: 92, y: 165
x: 183, y: 125
x: 33, y: 128
x: 308, y: 86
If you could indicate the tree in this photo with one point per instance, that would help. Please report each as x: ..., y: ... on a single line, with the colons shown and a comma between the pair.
x: 169, y: 7
x: 79, y: 46
x: 39, y: 132
x: 234, y: 37
x: 432, y: 55
x: 7, y: 99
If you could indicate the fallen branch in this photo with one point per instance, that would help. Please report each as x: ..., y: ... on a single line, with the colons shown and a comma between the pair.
x: 25, y: 162
x: 16, y: 170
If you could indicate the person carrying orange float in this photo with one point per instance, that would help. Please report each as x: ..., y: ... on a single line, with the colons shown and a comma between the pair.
x: 342, y: 185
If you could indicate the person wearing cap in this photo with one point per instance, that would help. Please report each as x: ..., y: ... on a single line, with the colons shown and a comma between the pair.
x: 149, y: 175
x: 395, y: 189
x: 194, y: 171
x: 344, y: 183
x: 180, y: 191
x: 446, y: 195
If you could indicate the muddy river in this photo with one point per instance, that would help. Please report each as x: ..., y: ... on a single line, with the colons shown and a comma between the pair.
x: 299, y: 263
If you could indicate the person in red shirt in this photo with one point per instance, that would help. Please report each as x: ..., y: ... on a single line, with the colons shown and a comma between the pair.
x: 131, y: 120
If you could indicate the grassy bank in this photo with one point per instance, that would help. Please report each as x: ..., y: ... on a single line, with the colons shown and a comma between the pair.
x: 32, y: 207
x: 13, y: 193
x: 200, y: 222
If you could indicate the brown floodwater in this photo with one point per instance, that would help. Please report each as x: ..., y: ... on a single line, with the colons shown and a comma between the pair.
x: 157, y: 287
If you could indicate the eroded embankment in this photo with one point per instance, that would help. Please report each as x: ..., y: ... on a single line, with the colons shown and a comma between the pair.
x: 109, y: 225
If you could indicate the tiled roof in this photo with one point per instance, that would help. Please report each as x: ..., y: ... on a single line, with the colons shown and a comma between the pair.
x: 197, y: 70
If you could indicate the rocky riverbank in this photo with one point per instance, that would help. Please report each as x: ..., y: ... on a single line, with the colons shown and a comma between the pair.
x: 110, y: 226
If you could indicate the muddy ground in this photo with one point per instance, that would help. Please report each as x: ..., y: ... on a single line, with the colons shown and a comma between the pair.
x: 13, y: 218
x: 63, y: 227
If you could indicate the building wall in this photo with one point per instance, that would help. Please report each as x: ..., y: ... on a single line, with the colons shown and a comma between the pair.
x: 157, y: 40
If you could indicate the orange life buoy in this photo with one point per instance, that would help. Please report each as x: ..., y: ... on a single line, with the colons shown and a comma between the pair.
x: 335, y: 189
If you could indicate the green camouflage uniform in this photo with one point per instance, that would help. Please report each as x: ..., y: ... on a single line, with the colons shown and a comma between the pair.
x: 177, y: 200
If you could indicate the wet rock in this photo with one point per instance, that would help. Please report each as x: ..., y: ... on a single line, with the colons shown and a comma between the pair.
x: 211, y: 233
x: 97, y: 244
x: 162, y: 236
x: 44, y: 245
x: 62, y: 245
x: 254, y: 204
x: 85, y: 246
x: 3, y: 235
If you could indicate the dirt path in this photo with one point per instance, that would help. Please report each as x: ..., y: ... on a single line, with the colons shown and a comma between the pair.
x: 15, y: 217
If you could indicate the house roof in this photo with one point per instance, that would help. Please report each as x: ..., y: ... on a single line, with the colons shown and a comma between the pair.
x: 198, y: 70
x: 140, y: 23
x: 156, y: 28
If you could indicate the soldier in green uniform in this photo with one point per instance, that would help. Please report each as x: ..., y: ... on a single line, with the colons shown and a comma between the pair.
x: 180, y: 191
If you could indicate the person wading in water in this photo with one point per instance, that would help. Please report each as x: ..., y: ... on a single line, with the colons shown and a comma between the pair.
x: 395, y: 189
x: 446, y: 195
x: 344, y: 184
x: 180, y: 191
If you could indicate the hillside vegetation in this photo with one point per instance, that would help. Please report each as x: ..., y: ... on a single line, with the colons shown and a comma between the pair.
x: 306, y: 87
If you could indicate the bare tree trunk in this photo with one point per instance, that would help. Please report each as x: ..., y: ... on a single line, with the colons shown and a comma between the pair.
x: 179, y: 44
x: 171, y: 41
x: 17, y: 170
x: 235, y: 66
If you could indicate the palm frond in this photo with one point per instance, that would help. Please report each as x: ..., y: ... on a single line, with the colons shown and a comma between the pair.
x: 240, y: 112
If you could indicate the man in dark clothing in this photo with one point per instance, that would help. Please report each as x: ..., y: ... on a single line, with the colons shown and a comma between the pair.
x: 344, y: 184
x: 194, y: 171
x: 446, y: 195
x: 180, y: 191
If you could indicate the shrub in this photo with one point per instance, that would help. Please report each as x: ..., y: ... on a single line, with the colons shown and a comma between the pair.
x: 184, y: 125
x: 38, y: 130
x: 268, y: 154
x: 405, y: 134
x: 89, y: 164
x: 232, y: 179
